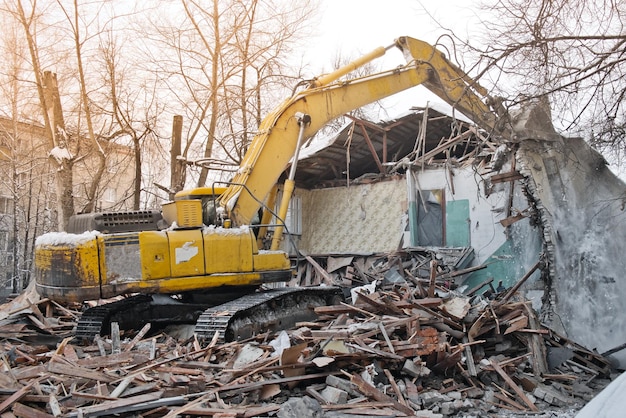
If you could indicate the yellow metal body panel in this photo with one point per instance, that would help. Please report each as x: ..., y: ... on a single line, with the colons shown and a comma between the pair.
x: 185, y: 213
x: 229, y: 250
x: 70, y: 268
x: 186, y: 249
x: 186, y: 284
x: 199, y: 192
x: 271, y: 260
x: 169, y: 261
x: 155, y: 255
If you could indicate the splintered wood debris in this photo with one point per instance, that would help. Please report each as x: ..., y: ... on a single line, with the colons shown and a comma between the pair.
x: 404, y: 344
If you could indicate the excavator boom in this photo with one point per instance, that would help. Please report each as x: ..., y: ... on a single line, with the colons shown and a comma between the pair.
x: 327, y: 98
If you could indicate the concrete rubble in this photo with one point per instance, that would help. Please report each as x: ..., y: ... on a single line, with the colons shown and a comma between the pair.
x: 406, y: 344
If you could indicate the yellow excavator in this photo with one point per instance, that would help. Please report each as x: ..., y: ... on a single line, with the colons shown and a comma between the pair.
x: 199, y: 259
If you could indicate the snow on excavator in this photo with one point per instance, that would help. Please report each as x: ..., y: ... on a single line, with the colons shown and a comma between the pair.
x: 198, y: 260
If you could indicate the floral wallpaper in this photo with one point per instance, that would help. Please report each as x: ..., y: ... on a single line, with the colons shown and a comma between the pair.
x: 358, y: 219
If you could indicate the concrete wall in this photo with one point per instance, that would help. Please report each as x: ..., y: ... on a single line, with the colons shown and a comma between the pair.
x: 582, y: 204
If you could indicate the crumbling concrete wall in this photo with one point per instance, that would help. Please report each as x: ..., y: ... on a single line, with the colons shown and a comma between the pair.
x: 582, y: 208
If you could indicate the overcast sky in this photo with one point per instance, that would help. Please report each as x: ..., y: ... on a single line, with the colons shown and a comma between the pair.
x: 351, y: 28
x: 353, y: 25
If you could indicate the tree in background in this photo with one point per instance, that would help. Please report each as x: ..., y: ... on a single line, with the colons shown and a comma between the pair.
x: 223, y: 65
x: 26, y: 201
x: 130, y: 103
x: 90, y: 79
x: 104, y: 100
x: 570, y: 51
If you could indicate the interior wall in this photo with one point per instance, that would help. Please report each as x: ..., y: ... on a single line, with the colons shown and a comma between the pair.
x: 359, y: 219
x: 369, y: 218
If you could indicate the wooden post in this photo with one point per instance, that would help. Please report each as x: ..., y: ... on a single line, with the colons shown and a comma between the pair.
x: 177, y: 167
x: 433, y: 278
x: 519, y: 284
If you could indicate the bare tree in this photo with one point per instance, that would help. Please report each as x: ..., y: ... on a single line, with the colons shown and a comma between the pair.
x: 220, y: 62
x: 105, y: 106
x: 132, y: 107
x: 51, y: 111
x: 24, y: 181
x: 570, y: 51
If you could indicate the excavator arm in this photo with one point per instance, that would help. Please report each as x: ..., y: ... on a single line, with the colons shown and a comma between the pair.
x: 301, y: 116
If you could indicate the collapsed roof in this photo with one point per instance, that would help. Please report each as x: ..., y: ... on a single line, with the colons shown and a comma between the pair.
x: 363, y: 147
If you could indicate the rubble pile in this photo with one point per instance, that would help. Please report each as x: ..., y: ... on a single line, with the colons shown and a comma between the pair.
x: 399, y: 346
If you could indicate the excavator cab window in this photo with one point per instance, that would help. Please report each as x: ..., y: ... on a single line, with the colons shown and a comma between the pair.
x: 209, y: 213
x: 209, y: 210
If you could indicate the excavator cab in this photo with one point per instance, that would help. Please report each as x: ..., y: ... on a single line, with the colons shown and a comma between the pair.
x: 193, y: 207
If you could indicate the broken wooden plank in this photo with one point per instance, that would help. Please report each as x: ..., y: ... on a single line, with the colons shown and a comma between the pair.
x: 479, y: 286
x: 76, y: 371
x: 131, y: 404
x: 509, y: 293
x: 506, y: 177
x: 372, y: 392
x: 510, y: 401
x: 116, y: 345
x: 18, y: 395
x: 380, y: 307
x: 138, y: 337
x: 518, y: 391
x: 107, y: 361
x: 21, y: 410
x: 361, y: 346
x: 328, y: 279
x: 433, y: 279
x: 510, y: 220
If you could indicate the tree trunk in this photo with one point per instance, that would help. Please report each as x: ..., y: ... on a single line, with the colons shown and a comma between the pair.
x: 65, y: 185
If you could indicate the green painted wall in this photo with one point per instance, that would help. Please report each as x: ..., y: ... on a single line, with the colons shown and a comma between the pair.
x: 502, y: 265
x: 458, y: 223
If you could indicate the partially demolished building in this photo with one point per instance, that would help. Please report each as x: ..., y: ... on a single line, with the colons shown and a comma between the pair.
x: 434, y: 227
x: 545, y: 210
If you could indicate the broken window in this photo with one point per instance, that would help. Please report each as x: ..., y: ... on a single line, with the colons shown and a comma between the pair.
x: 429, y: 222
x: 426, y: 214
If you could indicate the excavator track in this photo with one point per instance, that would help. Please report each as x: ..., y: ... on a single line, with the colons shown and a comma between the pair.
x: 95, y: 321
x: 237, y: 319
x: 134, y: 312
x: 270, y: 310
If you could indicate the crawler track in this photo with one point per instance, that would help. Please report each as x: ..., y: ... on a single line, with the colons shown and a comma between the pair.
x: 241, y: 318
x: 270, y: 310
x: 134, y: 312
